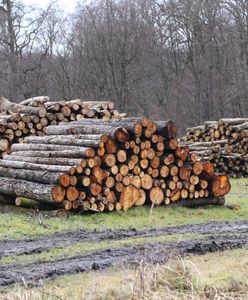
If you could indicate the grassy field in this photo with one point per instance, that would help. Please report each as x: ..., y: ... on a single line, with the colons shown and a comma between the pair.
x: 23, y: 224
x: 199, y: 277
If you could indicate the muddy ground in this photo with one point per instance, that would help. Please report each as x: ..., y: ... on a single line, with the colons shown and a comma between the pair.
x: 149, y: 253
x: 28, y: 246
x: 217, y: 236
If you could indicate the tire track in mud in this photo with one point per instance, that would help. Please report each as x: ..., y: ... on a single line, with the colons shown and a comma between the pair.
x: 28, y: 246
x: 149, y: 253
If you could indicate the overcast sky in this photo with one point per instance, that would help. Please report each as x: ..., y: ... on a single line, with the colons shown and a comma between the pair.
x: 67, y: 5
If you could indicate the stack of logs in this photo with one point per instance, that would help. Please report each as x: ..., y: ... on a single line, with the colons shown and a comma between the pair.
x: 223, y: 142
x: 111, y: 165
x: 32, y: 116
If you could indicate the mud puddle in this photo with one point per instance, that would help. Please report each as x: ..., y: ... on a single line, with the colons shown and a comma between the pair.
x: 149, y: 253
x: 28, y: 246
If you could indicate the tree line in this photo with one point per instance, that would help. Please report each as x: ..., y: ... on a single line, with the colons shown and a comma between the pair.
x: 181, y: 59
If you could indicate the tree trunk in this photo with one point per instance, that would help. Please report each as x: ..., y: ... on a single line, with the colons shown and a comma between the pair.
x: 31, y: 166
x: 44, y: 176
x: 193, y: 203
x: 26, y: 189
x: 6, y: 105
x: 44, y: 160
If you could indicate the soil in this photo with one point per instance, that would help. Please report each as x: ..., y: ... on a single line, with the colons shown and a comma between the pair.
x: 149, y: 253
x: 28, y: 246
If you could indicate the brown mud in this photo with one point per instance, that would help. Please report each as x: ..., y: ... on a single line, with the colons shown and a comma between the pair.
x: 60, y: 240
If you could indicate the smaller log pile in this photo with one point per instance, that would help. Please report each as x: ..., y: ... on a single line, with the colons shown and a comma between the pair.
x: 223, y: 142
x: 32, y: 116
x: 18, y: 121
x: 75, y: 110
x: 95, y: 165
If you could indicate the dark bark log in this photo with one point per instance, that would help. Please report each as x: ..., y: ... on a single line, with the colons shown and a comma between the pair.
x: 81, y: 129
x: 59, y: 154
x: 193, y: 203
x: 23, y: 188
x: 47, y: 147
x: 72, y: 140
x: 44, y: 160
x: 31, y: 166
x: 44, y: 177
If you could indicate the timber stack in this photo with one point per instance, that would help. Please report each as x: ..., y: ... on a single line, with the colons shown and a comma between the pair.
x: 223, y: 142
x: 32, y: 116
x: 96, y: 165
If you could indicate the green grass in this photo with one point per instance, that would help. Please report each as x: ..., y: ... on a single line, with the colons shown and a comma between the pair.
x: 18, y: 225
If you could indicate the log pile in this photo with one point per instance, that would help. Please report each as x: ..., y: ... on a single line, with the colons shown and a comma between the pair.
x: 223, y: 142
x: 32, y: 116
x: 96, y: 165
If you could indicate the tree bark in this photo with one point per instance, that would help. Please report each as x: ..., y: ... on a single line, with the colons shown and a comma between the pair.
x: 44, y: 160
x: 31, y: 166
x: 6, y: 105
x: 26, y: 189
x: 72, y: 140
x: 39, y: 176
x: 193, y: 203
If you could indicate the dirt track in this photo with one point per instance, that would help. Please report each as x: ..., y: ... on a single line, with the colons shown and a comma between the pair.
x: 218, y: 236
x: 150, y: 253
x: 10, y: 248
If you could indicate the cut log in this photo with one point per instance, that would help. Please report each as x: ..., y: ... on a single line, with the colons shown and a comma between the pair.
x: 220, y: 185
x: 168, y: 129
x: 44, y: 160
x: 82, y: 129
x: 31, y: 101
x: 146, y: 182
x: 142, y: 198
x: 129, y: 196
x: 72, y: 140
x: 31, y: 166
x: 42, y: 176
x: 59, y: 154
x: 86, y: 152
x: 6, y: 105
x: 156, y: 195
x: 4, y: 145
x: 27, y: 189
x: 31, y: 203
